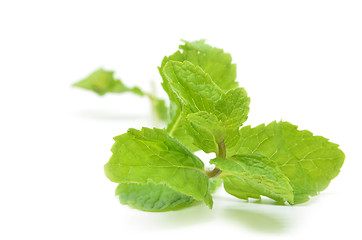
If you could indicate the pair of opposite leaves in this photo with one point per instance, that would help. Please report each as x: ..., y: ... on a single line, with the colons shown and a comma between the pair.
x: 156, y: 169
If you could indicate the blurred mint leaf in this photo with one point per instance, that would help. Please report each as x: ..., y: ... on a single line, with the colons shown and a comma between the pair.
x: 214, y: 184
x: 102, y: 82
x: 160, y: 109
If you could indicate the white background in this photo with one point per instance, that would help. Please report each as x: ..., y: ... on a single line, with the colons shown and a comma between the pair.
x: 300, y: 61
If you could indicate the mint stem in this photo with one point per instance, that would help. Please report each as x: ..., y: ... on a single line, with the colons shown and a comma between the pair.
x: 222, y: 149
x: 214, y: 173
x: 175, y: 125
x: 221, y: 154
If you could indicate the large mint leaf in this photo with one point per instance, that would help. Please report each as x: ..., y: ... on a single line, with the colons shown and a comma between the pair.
x: 251, y: 175
x: 190, y: 90
x: 214, y: 116
x: 102, y: 82
x: 213, y: 61
x: 152, y: 197
x: 310, y: 162
x: 151, y: 155
x: 191, y: 86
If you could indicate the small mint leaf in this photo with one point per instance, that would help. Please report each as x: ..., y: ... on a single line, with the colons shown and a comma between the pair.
x: 102, y: 82
x: 251, y: 175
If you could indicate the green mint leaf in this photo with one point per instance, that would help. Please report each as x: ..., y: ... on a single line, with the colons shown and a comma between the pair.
x: 151, y: 155
x: 190, y: 90
x: 213, y: 61
x: 251, y: 175
x: 102, y: 82
x: 207, y: 131
x: 310, y: 162
x: 232, y: 109
x: 195, y: 92
x: 192, y: 87
x: 152, y: 197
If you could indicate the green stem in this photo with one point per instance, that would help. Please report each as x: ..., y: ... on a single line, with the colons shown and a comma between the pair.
x: 222, y: 149
x: 221, y: 154
x: 214, y: 173
x: 175, y: 124
x: 150, y: 96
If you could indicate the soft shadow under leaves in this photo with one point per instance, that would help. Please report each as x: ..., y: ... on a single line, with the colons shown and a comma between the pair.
x: 257, y: 221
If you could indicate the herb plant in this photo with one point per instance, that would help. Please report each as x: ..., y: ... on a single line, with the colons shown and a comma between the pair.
x: 157, y: 170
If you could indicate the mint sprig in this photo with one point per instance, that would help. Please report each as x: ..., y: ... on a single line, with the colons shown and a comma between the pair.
x: 103, y: 82
x: 157, y: 170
